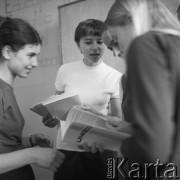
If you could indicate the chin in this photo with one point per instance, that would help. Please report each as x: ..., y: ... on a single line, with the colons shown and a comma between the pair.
x: 23, y: 75
x: 95, y: 60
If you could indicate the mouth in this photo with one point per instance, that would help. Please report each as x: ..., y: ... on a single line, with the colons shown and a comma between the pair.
x: 28, y: 71
x: 94, y: 55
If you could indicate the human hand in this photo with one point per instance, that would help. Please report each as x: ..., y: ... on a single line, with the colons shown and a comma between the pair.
x: 47, y: 158
x: 50, y: 121
x: 121, y: 126
x: 41, y: 140
x: 95, y: 147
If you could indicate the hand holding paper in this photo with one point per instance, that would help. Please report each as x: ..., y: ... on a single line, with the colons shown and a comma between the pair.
x: 50, y: 121
x: 57, y: 105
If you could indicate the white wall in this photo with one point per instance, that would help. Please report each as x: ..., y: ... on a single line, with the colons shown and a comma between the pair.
x: 2, y: 7
x: 85, y: 10
x: 43, y: 14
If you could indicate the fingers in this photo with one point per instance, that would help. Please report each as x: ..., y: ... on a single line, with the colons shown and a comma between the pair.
x: 44, y: 140
x: 109, y: 126
x: 60, y: 157
x: 100, y: 148
x: 112, y: 127
x: 114, y: 122
x: 86, y: 147
x: 50, y: 122
x: 93, y: 147
x: 58, y: 161
x: 48, y: 142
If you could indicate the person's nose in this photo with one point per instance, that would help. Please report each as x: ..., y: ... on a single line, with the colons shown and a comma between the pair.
x: 34, y: 62
x: 95, y: 46
x: 115, y: 51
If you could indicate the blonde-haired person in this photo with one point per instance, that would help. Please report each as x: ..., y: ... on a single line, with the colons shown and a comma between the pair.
x: 148, y: 35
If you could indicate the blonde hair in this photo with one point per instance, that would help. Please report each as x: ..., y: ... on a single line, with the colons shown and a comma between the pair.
x: 144, y: 15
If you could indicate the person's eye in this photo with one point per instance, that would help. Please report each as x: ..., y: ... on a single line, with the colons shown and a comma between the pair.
x: 100, y: 42
x: 31, y: 55
x: 88, y: 42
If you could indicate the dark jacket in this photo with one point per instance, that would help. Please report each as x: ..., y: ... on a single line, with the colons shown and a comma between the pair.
x: 153, y: 72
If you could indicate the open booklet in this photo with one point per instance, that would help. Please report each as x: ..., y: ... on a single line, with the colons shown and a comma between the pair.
x: 84, y: 126
x: 57, y: 105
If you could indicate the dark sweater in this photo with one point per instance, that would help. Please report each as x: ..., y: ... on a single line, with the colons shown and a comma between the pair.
x: 153, y: 71
x: 11, y: 120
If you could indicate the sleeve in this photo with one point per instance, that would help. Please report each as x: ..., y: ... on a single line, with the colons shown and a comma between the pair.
x: 117, y: 88
x: 59, y: 81
x: 1, y: 107
x: 151, y: 104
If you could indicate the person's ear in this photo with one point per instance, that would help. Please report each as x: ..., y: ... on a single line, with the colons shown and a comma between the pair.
x: 6, y: 51
x: 78, y: 45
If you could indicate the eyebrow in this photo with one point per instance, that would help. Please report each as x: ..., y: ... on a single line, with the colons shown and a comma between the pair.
x: 33, y: 53
x: 91, y: 38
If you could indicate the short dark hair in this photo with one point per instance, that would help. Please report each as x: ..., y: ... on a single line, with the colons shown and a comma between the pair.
x: 16, y: 33
x: 89, y: 27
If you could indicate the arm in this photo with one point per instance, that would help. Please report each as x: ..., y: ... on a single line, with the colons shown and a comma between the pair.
x: 151, y: 103
x: 116, y: 113
x: 44, y: 157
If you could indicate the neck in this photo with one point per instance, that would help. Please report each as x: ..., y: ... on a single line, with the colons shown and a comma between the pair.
x: 90, y: 63
x: 5, y: 75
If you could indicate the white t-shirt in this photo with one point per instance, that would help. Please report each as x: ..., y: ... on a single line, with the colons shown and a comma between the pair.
x: 94, y: 85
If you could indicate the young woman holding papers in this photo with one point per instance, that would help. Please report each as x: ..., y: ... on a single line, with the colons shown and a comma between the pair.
x: 98, y: 88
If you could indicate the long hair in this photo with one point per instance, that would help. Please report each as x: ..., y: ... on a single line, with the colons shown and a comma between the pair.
x: 144, y: 15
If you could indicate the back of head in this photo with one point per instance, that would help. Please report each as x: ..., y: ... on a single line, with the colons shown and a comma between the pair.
x: 143, y: 14
x: 16, y: 33
x: 89, y: 27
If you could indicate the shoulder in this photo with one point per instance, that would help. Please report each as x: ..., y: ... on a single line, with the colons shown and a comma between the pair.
x: 149, y: 46
x: 153, y: 52
x: 69, y: 66
x: 111, y: 70
x: 154, y: 40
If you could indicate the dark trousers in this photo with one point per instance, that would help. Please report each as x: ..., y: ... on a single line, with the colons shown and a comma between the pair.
x: 23, y: 173
x: 82, y: 166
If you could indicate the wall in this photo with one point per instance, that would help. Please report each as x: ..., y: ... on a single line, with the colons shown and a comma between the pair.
x: 57, y: 42
x: 43, y: 15
x: 2, y: 7
x: 85, y: 10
